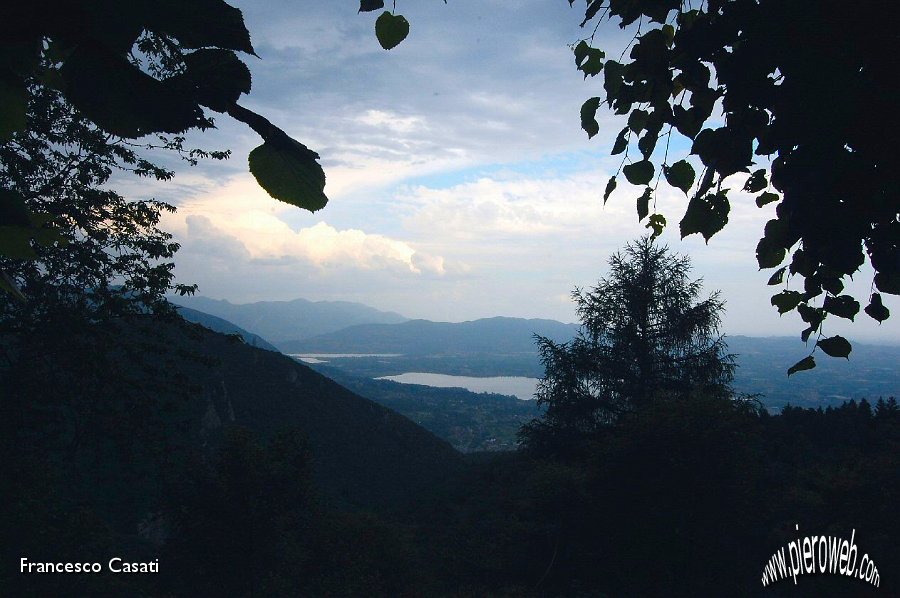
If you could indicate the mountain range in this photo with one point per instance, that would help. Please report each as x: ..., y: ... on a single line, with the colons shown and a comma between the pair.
x: 497, y: 335
x: 278, y: 321
x: 502, y: 346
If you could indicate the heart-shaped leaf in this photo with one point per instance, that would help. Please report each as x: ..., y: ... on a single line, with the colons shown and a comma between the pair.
x: 706, y: 215
x: 836, y: 346
x: 680, y: 175
x: 391, y: 29
x: 288, y: 171
x: 876, y: 308
x: 639, y: 173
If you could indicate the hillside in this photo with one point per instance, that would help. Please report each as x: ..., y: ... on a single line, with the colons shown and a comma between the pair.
x: 278, y: 321
x: 223, y: 326
x: 363, y: 454
x: 182, y: 386
x: 497, y: 335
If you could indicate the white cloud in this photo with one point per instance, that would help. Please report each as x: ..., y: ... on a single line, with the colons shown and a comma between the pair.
x: 491, y: 208
x: 240, y: 214
x: 391, y: 121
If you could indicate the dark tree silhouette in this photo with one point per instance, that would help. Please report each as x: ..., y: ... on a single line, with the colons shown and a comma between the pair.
x: 646, y: 336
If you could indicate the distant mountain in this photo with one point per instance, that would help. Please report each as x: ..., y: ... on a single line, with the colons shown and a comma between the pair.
x: 422, y: 337
x: 279, y: 321
x: 225, y: 327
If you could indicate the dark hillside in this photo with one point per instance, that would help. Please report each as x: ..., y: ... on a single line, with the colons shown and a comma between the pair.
x: 223, y: 326
x: 363, y: 453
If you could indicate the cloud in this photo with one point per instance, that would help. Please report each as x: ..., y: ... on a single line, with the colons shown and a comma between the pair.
x: 239, y: 222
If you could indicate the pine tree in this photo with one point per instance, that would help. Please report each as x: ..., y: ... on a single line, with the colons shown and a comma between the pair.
x: 645, y: 336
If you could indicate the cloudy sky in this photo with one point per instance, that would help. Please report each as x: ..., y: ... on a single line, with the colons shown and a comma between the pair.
x: 460, y: 183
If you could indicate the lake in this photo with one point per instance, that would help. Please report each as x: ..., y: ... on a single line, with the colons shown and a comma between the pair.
x: 518, y: 386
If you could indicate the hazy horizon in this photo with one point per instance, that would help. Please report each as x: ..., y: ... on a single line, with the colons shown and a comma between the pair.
x: 886, y: 340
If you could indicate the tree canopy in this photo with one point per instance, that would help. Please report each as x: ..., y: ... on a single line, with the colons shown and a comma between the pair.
x: 645, y: 336
x: 797, y: 95
x: 126, y: 72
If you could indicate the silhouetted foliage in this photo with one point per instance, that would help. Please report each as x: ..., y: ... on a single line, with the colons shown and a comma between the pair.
x: 108, y: 257
x: 144, y: 68
x: 646, y: 336
x: 809, y: 102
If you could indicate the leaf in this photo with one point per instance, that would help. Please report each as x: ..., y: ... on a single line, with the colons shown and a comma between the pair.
x: 657, y: 222
x: 132, y: 103
x: 727, y: 150
x: 668, y: 34
x: 643, y: 204
x: 613, y: 73
x: 804, y: 336
x: 610, y: 187
x: 370, y: 5
x: 835, y: 346
x: 778, y: 277
x: 588, y: 116
x: 807, y: 363
x: 621, y: 142
x: 15, y: 242
x: 843, y: 306
x: 706, y: 182
x: 766, y: 198
x: 591, y: 11
x: 581, y: 51
x: 13, y: 210
x: 589, y: 60
x: 647, y: 143
x: 785, y: 301
x: 288, y: 171
x: 832, y: 284
x: 680, y: 175
x: 769, y: 253
x: 201, y: 24
x: 13, y: 100
x: 888, y: 282
x: 876, y: 309
x: 706, y: 215
x: 756, y: 182
x: 687, y: 121
x: 639, y: 173
x: 802, y: 264
x: 217, y: 77
x: 637, y: 120
x: 813, y: 316
x: 391, y: 29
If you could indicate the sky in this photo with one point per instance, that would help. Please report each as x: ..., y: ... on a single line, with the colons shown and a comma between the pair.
x: 461, y: 185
